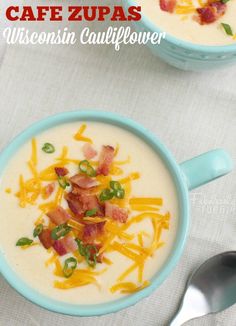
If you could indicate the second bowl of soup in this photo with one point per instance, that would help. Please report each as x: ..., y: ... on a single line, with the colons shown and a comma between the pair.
x: 199, y: 34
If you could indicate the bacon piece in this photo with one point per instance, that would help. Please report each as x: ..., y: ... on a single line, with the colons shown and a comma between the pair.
x: 60, y: 247
x: 74, y: 204
x: 45, y: 238
x: 48, y: 190
x: 92, y: 231
x: 83, y: 181
x: 168, y: 5
x: 88, y: 151
x: 58, y: 215
x: 80, y: 191
x: 69, y: 243
x: 82, y: 202
x: 105, y: 160
x: 211, y: 12
x: 116, y: 213
x: 220, y: 7
x: 61, y: 171
x: 65, y: 245
x: 90, y: 202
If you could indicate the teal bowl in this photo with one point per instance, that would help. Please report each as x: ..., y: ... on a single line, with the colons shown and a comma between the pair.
x: 185, y: 55
x: 216, y: 163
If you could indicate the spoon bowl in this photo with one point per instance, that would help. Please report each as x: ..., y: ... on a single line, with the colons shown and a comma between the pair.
x: 210, y: 289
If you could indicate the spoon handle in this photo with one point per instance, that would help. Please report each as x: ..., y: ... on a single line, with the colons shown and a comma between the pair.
x: 181, y: 317
x: 178, y: 320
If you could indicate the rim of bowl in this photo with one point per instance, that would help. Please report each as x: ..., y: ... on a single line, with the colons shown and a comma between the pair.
x: 182, y: 193
x: 182, y: 43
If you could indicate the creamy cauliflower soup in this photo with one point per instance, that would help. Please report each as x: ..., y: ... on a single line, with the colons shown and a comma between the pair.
x: 89, y: 213
x: 206, y: 22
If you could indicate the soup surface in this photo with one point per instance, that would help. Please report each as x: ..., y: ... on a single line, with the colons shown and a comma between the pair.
x: 186, y: 23
x: 107, y: 203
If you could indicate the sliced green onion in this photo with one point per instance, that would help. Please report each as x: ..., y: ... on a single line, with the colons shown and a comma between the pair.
x: 115, y: 185
x: 63, y: 183
x: 228, y: 29
x: 224, y: 1
x: 38, y: 229
x: 89, y: 252
x: 81, y: 247
x: 120, y: 194
x: 106, y: 194
x: 91, y: 212
x: 69, y: 266
x: 24, y: 242
x: 60, y: 231
x: 48, y: 148
x: 86, y: 168
x: 91, y: 255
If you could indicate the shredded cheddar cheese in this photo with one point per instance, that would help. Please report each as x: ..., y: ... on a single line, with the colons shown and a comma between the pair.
x: 115, y: 170
x: 117, y: 150
x: 107, y: 261
x: 34, y: 157
x: 39, y: 220
x: 59, y: 196
x: 22, y: 192
x: 80, y: 277
x: 51, y: 260
x: 75, y: 225
x: 128, y: 287
x: 80, y: 137
x: 140, y: 273
x: 58, y: 269
x: 126, y: 252
x: 123, y: 162
x: 183, y: 10
x: 127, y: 272
x: 146, y: 201
x: 132, y: 176
x: 144, y: 208
x: 140, y: 239
x: 8, y: 190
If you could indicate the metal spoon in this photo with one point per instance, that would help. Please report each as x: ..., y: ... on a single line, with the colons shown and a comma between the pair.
x: 211, y: 289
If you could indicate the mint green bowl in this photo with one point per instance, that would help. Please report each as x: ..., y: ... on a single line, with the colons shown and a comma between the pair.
x: 188, y: 175
x: 185, y: 55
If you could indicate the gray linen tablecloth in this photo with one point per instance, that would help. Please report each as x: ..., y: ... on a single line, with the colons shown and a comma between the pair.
x: 190, y: 112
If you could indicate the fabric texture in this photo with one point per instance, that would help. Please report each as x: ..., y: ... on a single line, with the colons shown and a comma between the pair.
x: 190, y: 112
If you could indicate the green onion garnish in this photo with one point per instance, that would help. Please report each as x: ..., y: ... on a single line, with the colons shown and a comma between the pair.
x: 89, y: 252
x: 60, y: 231
x: 48, y: 148
x: 38, y: 229
x: 91, y: 255
x: 224, y: 1
x: 91, y: 212
x: 80, y: 247
x: 228, y: 29
x: 63, y: 183
x: 69, y: 266
x: 119, y: 192
x: 24, y: 242
x: 86, y: 168
x: 106, y: 194
x: 116, y: 190
x: 115, y: 185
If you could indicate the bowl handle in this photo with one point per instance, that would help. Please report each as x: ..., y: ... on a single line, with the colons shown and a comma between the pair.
x: 206, y: 167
